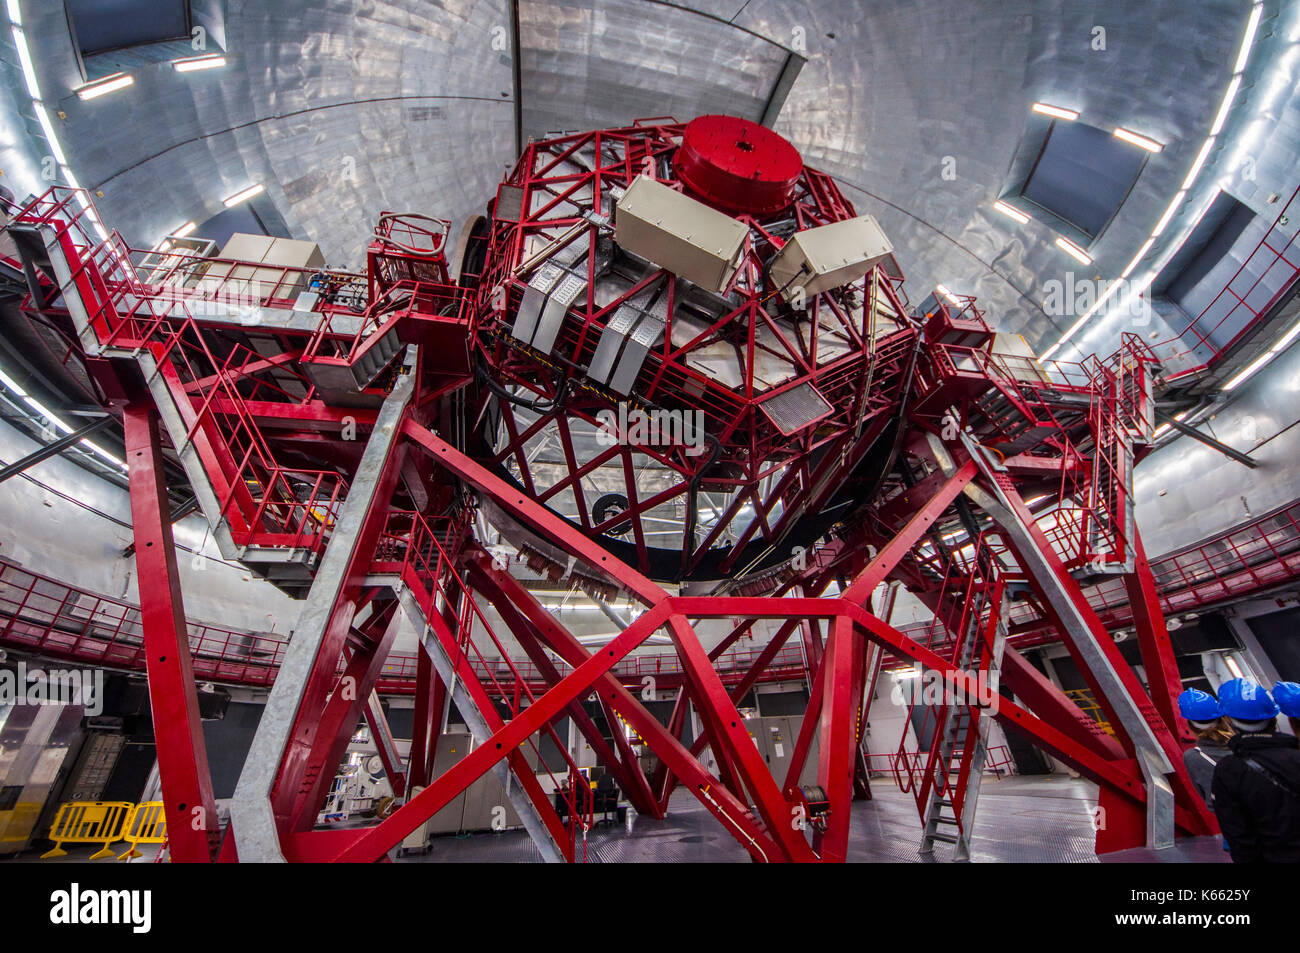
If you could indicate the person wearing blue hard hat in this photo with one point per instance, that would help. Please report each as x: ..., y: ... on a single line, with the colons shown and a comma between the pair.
x: 1256, y: 787
x: 1201, y: 709
x: 1287, y: 696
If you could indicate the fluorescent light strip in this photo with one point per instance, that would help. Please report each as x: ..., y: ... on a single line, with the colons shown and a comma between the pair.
x: 184, y: 231
x: 1083, y: 318
x: 196, y: 63
x: 1197, y: 165
x: 25, y: 59
x: 51, y: 138
x: 12, y: 385
x: 1169, y: 213
x: 1011, y: 212
x: 15, y: 15
x: 243, y: 196
x: 96, y: 448
x: 1285, y: 339
x: 1243, y: 54
x: 1226, y: 106
x: 1142, y: 142
x: 947, y: 294
x: 1056, y: 112
x: 1164, y: 428
x: 105, y: 86
x: 1142, y: 253
x: 1251, y: 368
x: 1277, y: 348
x: 1074, y: 251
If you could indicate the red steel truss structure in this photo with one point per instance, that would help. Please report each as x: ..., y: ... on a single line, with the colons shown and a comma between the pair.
x: 370, y: 442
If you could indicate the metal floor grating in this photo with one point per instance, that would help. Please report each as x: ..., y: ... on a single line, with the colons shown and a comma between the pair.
x: 1020, y: 820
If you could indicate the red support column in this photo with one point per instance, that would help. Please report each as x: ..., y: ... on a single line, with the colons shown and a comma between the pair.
x: 1157, y: 652
x: 342, y: 714
x: 430, y: 696
x: 836, y: 763
x: 192, y: 830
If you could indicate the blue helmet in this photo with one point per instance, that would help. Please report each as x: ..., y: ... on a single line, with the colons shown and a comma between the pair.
x: 1287, y: 696
x: 1196, y: 705
x: 1246, y: 700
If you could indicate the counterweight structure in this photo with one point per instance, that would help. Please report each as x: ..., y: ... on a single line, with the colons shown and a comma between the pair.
x: 672, y: 365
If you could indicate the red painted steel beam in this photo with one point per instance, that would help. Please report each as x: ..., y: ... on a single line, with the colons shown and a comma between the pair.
x: 430, y: 697
x: 1122, y: 775
x: 733, y: 738
x: 1157, y: 652
x: 378, y: 840
x: 1185, y: 793
x: 623, y: 763
x: 1041, y: 696
x: 301, y: 763
x: 552, y: 526
x: 335, y: 726
x: 860, y: 591
x: 889, y: 555
x: 192, y: 825
x: 519, y: 765
x: 835, y: 761
x: 719, y: 800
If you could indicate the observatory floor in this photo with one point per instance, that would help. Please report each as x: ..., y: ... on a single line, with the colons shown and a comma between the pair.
x: 1020, y: 820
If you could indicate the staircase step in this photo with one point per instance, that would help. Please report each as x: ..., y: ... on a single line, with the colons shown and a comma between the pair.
x: 945, y: 838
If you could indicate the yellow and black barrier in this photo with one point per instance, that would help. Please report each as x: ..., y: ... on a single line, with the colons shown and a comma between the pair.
x: 106, y: 823
x: 148, y: 825
x: 89, y: 822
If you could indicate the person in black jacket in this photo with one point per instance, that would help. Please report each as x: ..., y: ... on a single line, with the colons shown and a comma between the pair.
x: 1201, y: 709
x: 1256, y: 788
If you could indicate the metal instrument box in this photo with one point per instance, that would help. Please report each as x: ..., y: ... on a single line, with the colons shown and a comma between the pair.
x: 830, y: 256
x: 674, y: 231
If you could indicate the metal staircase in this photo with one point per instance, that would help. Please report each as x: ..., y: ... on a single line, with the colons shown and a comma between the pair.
x: 951, y: 722
x: 963, y: 746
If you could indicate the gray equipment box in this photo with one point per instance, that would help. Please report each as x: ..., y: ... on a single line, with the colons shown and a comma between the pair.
x: 688, y: 238
x: 830, y: 256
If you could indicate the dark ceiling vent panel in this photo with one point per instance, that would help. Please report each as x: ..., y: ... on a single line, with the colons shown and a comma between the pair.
x: 1083, y: 175
x: 103, y: 25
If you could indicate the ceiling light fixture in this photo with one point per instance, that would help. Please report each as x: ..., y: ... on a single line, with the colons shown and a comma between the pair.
x: 1056, y: 112
x: 1011, y: 212
x: 1142, y: 142
x: 1074, y: 251
x: 243, y: 196
x: 184, y: 231
x: 103, y: 87
x: 195, y: 63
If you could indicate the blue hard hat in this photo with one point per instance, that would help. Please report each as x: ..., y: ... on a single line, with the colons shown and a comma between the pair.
x: 1287, y: 696
x: 1246, y: 700
x: 1196, y: 705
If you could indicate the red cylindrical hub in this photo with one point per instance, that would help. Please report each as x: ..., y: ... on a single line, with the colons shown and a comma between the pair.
x: 738, y: 165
